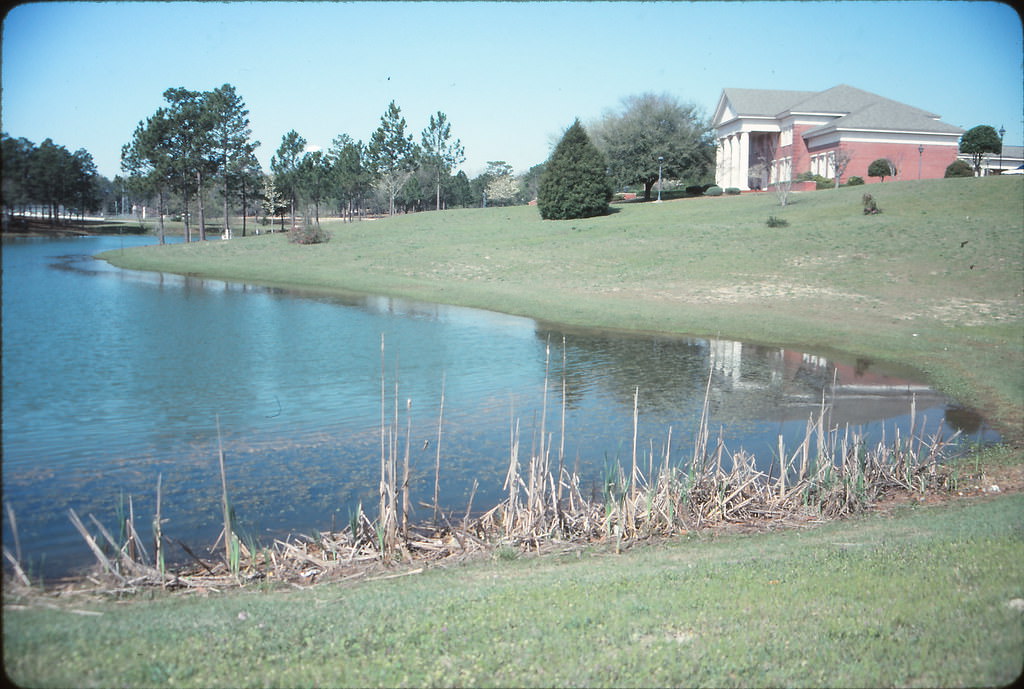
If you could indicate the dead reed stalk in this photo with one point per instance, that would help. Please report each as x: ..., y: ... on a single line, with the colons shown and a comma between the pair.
x: 830, y: 473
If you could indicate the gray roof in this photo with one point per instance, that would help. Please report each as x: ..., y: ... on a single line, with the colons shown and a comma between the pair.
x: 753, y: 102
x: 852, y: 107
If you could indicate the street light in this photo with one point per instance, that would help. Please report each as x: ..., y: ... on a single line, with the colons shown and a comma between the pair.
x: 1002, y: 132
x: 920, y: 152
x: 661, y: 159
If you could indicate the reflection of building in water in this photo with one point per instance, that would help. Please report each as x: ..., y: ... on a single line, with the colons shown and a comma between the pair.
x: 794, y: 385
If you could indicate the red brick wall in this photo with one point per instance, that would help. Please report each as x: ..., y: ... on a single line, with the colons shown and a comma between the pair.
x: 797, y: 150
x: 934, y: 160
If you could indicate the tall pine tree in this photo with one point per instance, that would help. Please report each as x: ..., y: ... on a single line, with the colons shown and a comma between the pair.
x: 575, y: 180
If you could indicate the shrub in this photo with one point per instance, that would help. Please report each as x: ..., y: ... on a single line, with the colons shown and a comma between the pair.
x: 574, y: 183
x: 694, y: 190
x: 881, y: 167
x: 854, y: 181
x: 308, y: 234
x: 959, y: 168
x: 819, y: 181
x: 732, y: 191
x: 777, y: 222
x: 713, y: 190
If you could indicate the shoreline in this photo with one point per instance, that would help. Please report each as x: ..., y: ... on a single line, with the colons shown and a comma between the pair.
x: 961, y: 326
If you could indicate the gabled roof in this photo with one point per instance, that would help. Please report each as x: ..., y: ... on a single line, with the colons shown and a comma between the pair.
x: 852, y: 108
x: 754, y: 102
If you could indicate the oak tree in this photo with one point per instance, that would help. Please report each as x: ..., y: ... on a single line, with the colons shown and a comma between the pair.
x: 649, y: 127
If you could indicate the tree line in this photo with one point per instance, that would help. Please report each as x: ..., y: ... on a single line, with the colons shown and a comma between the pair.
x: 201, y: 140
x: 197, y: 151
x: 48, y: 179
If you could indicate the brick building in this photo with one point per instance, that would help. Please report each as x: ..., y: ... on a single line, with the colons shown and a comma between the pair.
x: 764, y: 136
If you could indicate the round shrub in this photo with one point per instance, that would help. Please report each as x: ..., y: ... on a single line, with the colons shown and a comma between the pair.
x: 959, y: 168
x: 854, y: 181
x: 732, y: 191
x: 881, y: 167
x: 713, y: 190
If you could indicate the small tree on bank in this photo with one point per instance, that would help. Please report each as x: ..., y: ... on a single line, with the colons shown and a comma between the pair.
x: 978, y: 141
x: 575, y: 180
x: 881, y: 168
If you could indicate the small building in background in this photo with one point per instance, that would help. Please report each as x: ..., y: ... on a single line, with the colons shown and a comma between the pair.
x: 1009, y: 162
x: 767, y: 136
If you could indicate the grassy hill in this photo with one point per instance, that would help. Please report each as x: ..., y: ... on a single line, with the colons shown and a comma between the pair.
x: 936, y: 281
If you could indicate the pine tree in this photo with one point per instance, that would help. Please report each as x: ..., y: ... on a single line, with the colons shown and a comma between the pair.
x: 391, y: 154
x: 575, y: 179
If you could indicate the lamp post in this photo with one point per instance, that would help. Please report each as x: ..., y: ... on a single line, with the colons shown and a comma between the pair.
x: 920, y: 152
x: 661, y: 159
x: 1002, y: 132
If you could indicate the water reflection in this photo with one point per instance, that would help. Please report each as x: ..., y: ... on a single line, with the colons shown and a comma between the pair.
x: 112, y: 377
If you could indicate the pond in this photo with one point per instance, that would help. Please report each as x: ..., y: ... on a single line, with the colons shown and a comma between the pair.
x: 112, y: 378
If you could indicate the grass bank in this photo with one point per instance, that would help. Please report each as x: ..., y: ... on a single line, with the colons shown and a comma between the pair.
x: 915, y: 596
x: 936, y: 281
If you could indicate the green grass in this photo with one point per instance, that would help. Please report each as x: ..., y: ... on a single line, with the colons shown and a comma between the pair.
x: 935, y: 282
x: 918, y: 597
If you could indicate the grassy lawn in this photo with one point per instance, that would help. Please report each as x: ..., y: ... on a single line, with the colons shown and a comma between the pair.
x: 915, y: 596
x: 935, y: 282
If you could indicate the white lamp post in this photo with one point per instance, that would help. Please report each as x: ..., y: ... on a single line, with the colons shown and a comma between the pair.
x: 661, y: 159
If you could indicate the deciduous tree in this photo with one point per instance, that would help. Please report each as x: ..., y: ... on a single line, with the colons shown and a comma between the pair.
x: 840, y: 161
x: 881, y: 167
x: 502, y: 187
x: 649, y: 126
x: 978, y: 141
x: 274, y: 202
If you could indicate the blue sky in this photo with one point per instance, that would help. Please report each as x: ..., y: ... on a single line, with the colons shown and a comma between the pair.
x: 510, y: 76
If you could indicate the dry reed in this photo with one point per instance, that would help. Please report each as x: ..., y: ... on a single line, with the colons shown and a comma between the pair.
x: 831, y: 473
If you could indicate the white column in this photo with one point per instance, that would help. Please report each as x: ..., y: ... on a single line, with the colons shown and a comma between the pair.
x: 720, y: 162
x: 734, y: 159
x: 744, y: 167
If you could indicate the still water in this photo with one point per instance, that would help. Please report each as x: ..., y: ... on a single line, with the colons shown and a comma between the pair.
x: 112, y: 377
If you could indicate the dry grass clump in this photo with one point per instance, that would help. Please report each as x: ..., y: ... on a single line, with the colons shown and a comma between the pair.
x: 831, y: 473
